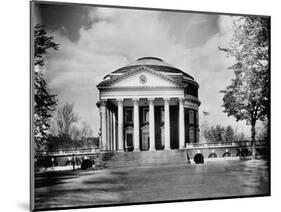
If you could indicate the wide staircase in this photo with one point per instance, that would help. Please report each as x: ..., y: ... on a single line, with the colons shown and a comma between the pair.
x: 147, y: 158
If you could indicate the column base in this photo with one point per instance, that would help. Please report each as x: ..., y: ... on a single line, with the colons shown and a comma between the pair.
x: 167, y: 148
x: 136, y: 150
x: 152, y: 149
x: 182, y: 147
x: 120, y: 150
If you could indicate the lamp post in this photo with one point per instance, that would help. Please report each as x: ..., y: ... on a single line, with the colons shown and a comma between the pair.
x: 73, y: 162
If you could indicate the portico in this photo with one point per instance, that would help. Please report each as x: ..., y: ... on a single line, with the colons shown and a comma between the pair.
x: 143, y: 109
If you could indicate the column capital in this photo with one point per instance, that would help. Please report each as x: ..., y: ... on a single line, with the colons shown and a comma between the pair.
x: 136, y: 101
x: 103, y: 103
x: 181, y: 99
x: 151, y: 100
x: 166, y: 100
x: 120, y: 101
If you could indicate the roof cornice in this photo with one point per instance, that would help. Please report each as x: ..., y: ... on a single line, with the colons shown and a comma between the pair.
x: 135, y: 70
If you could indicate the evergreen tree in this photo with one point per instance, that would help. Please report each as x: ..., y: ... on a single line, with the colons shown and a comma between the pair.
x: 219, y: 133
x: 229, y: 134
x: 44, y: 102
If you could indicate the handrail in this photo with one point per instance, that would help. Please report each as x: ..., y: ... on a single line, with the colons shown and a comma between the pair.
x: 64, y: 152
x: 218, y: 144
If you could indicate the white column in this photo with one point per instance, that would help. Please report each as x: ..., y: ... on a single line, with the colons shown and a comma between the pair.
x: 108, y: 129
x: 167, y: 123
x: 120, y: 126
x: 111, y: 129
x: 181, y: 125
x: 114, y: 131
x: 103, y: 125
x: 151, y: 125
x: 136, y: 125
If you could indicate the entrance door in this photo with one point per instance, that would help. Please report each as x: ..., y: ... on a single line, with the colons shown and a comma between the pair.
x: 145, y: 141
x: 162, y: 137
x: 129, y: 140
x: 145, y: 138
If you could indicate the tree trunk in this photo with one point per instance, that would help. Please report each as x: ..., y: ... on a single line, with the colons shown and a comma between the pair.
x: 253, y: 136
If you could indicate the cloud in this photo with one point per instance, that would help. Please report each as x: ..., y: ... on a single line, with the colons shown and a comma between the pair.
x: 120, y: 36
x: 210, y: 68
x: 191, y: 29
x: 65, y: 18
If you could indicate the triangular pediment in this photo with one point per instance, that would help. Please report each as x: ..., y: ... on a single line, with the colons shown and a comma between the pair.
x: 144, y: 77
x: 129, y: 128
x: 145, y: 128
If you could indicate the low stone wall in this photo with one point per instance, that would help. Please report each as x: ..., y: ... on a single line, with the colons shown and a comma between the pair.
x: 224, y: 151
x: 49, y: 161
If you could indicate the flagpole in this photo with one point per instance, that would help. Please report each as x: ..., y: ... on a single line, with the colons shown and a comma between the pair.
x: 204, y: 127
x: 204, y: 124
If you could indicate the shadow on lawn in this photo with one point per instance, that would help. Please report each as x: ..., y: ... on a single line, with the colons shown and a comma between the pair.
x: 55, y: 178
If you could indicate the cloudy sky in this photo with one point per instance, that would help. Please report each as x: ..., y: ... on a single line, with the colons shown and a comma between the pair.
x: 96, y: 41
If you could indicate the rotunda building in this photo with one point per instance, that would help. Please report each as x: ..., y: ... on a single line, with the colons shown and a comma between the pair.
x: 148, y: 105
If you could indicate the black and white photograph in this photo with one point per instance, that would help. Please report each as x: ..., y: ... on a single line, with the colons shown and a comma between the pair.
x: 137, y: 105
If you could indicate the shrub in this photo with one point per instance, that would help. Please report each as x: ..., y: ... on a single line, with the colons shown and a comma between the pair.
x: 86, y: 164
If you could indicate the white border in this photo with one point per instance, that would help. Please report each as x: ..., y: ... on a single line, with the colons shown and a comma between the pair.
x: 14, y: 88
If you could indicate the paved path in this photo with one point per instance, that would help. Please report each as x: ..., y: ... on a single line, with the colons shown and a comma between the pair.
x: 145, y: 184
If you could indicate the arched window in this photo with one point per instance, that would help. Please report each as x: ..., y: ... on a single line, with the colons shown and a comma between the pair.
x: 226, y: 154
x: 197, y: 135
x: 212, y: 155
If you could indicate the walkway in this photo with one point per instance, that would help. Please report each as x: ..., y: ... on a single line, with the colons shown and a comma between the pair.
x: 145, y: 184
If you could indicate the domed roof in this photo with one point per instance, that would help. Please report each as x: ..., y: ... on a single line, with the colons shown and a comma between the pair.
x: 149, y: 61
x: 155, y: 63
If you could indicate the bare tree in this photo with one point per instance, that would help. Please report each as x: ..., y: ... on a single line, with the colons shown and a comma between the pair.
x: 86, y: 130
x: 65, y: 118
x: 75, y: 133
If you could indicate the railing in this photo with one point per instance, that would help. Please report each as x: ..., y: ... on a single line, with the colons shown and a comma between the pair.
x: 190, y: 97
x: 67, y: 152
x: 226, y: 144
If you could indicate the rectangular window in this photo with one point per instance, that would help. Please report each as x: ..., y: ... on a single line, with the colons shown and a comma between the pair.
x: 191, y: 135
x: 129, y: 115
x: 191, y: 117
x: 145, y: 115
x: 162, y: 137
x: 197, y: 135
x: 197, y: 118
x: 162, y: 114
